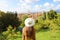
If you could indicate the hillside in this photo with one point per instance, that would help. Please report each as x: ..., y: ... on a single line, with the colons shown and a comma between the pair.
x: 32, y: 15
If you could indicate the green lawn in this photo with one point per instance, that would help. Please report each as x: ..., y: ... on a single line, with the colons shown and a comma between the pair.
x: 46, y: 35
x: 49, y: 35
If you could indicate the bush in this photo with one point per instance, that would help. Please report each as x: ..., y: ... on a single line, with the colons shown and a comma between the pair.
x: 11, y: 34
x: 44, y: 27
x: 23, y: 19
x: 6, y: 19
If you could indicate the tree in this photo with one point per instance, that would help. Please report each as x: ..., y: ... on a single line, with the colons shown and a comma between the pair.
x: 52, y: 14
x: 23, y: 19
x: 44, y: 15
x: 2, y: 26
x: 7, y: 19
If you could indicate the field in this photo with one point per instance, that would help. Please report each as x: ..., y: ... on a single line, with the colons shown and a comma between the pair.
x: 46, y: 35
x: 49, y: 35
x: 41, y: 35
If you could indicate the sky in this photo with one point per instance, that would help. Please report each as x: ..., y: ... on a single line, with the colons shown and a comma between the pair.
x: 23, y: 6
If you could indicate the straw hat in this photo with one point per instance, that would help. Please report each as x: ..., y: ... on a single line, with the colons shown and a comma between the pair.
x: 29, y: 22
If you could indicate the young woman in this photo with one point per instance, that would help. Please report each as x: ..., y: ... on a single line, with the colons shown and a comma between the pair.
x: 28, y: 32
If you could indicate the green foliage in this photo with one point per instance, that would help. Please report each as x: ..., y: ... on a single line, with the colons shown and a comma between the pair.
x: 11, y: 33
x: 45, y: 22
x: 7, y: 19
x: 12, y: 19
x: 42, y: 24
x: 44, y: 16
x: 23, y: 19
x: 52, y: 14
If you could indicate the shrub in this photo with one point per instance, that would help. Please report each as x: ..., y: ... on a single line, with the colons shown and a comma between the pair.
x: 11, y: 34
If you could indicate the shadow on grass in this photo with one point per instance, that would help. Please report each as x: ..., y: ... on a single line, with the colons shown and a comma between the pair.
x: 43, y: 30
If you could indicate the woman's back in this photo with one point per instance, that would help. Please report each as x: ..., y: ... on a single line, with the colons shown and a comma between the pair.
x: 29, y: 33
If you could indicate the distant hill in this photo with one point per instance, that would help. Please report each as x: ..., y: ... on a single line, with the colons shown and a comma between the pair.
x: 32, y: 15
x: 58, y: 10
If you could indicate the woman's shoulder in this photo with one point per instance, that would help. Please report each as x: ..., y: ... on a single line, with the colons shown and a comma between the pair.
x: 24, y: 28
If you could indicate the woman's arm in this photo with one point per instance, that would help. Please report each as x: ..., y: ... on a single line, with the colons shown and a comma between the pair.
x: 23, y: 36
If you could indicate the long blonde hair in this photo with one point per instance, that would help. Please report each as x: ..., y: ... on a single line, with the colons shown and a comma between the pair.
x: 29, y: 31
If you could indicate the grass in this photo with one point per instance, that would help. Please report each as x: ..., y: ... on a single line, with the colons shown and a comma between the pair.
x: 46, y: 35
x: 49, y: 35
x: 53, y: 34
